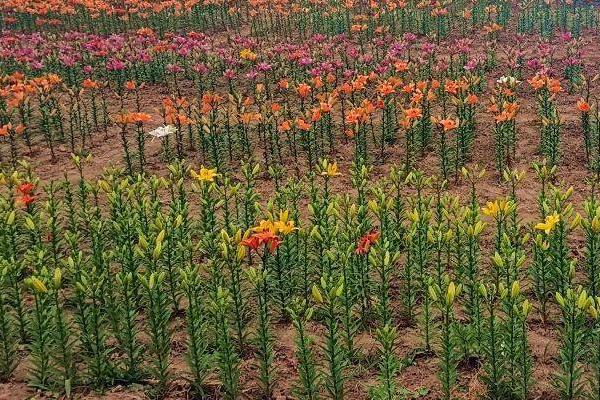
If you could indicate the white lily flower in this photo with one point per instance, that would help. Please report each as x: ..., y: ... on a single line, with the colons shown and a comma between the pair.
x: 162, y: 131
x: 510, y: 80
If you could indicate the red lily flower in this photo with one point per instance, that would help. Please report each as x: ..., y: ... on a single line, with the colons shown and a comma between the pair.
x: 365, y: 242
x: 26, y: 188
x: 266, y: 238
x: 27, y: 199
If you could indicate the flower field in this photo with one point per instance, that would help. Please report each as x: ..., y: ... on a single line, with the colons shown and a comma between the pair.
x: 299, y: 199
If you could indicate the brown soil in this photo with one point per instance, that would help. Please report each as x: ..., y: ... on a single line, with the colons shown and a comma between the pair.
x: 421, y: 372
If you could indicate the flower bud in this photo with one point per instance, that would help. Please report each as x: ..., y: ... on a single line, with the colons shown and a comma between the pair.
x: 526, y: 308
x: 57, y: 278
x: 37, y: 285
x: 515, y: 290
x: 451, y: 293
x: 316, y: 294
x: 432, y: 293
x: 560, y: 299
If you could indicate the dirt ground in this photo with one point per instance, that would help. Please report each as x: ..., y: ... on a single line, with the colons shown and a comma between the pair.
x: 422, y: 369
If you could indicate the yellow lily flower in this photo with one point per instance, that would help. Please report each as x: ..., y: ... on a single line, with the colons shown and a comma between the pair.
x: 265, y: 225
x: 548, y: 224
x: 491, y: 209
x: 331, y: 170
x: 247, y: 54
x: 205, y: 174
